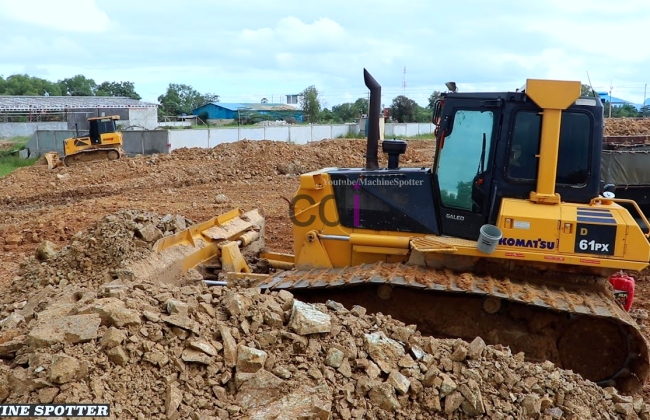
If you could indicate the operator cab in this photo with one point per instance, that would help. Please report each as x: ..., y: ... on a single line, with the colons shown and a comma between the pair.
x: 99, y: 126
x: 488, y: 148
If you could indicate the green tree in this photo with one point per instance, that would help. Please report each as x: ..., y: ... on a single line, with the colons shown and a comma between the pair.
x: 433, y: 98
x: 328, y: 117
x: 645, y: 111
x: 585, y: 90
x: 350, y: 111
x: 22, y: 84
x: 423, y: 114
x: 310, y: 104
x: 403, y: 109
x: 121, y: 89
x: 78, y: 85
x: 181, y: 98
x: 621, y: 111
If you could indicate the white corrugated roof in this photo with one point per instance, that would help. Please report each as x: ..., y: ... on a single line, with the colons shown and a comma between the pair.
x: 27, y: 103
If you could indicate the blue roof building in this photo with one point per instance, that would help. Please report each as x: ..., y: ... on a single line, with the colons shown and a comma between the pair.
x: 231, y: 111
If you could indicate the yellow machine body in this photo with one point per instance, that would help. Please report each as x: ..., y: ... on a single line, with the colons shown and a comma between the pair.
x: 565, y: 234
x: 103, y: 142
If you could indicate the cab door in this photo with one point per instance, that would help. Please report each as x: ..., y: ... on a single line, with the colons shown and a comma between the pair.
x: 463, y: 169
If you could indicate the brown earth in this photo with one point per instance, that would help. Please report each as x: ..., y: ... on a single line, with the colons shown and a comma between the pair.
x: 627, y: 126
x: 55, y: 205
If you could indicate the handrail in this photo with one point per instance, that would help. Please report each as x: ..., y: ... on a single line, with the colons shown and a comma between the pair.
x: 600, y: 200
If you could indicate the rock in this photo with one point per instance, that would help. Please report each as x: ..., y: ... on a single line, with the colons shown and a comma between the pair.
x: 531, y: 405
x: 173, y: 399
x: 221, y: 198
x: 473, y: 404
x: 5, y: 390
x: 476, y: 348
x: 236, y: 303
x: 12, y: 321
x: 399, y: 382
x: 345, y: 369
x: 460, y: 353
x: 306, y: 319
x: 453, y: 402
x: 174, y: 306
x: 383, y: 396
x: 250, y: 360
x: 208, y: 309
x: 117, y: 356
x: 627, y: 409
x: 204, y: 346
x: 149, y: 233
x: 155, y: 358
x: 305, y: 402
x: 554, y: 413
x: 195, y: 356
x: 447, y: 386
x: 70, y: 329
x: 46, y: 395
x: 65, y: 369
x: 46, y: 251
x: 334, y: 357
x: 112, y: 311
x: 9, y: 348
x: 262, y: 388
x: 384, y: 351
x: 112, y: 338
x: 183, y: 322
x: 174, y: 223
x: 13, y: 239
x: 151, y: 316
x: 403, y: 333
x: 229, y: 346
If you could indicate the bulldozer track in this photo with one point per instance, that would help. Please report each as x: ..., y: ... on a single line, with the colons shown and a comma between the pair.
x: 93, y: 155
x: 575, y: 323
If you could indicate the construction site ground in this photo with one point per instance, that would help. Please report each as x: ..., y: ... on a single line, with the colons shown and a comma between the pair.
x: 38, y: 204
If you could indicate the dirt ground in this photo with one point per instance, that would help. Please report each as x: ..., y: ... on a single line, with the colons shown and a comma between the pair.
x: 38, y: 204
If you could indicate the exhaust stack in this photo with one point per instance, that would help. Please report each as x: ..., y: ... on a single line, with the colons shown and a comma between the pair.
x: 372, y: 147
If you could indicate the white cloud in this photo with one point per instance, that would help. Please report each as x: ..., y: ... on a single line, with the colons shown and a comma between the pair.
x: 69, y: 16
x: 253, y: 48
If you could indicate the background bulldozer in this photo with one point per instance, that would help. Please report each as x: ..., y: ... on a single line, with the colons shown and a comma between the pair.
x: 509, y: 235
x: 102, y: 142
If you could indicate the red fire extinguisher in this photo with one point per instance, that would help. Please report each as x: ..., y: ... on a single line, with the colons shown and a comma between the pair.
x: 623, y: 289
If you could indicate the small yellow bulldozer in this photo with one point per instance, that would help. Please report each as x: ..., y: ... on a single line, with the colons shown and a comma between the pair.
x: 102, y: 142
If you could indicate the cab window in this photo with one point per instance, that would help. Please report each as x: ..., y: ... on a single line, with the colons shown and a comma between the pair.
x: 463, y: 155
x: 574, y: 153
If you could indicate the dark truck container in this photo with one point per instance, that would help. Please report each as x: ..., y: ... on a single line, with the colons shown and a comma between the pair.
x: 626, y: 164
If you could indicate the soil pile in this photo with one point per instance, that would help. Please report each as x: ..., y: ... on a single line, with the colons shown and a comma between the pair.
x: 627, y: 126
x: 90, y: 333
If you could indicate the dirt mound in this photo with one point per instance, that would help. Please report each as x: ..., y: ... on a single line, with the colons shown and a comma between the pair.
x: 188, y: 351
x: 627, y: 126
x: 97, y: 255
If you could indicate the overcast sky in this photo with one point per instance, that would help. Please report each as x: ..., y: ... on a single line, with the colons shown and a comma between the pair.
x: 246, y: 50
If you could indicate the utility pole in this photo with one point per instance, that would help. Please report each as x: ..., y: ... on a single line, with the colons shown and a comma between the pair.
x: 610, y: 99
x: 643, y: 106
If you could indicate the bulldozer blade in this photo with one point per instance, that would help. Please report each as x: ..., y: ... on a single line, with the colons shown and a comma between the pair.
x: 233, y: 235
x: 53, y: 160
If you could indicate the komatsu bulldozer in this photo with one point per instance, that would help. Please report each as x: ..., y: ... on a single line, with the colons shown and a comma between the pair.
x: 509, y: 235
x: 102, y: 142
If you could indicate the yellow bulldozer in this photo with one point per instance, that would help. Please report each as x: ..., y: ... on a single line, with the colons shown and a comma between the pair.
x: 509, y: 235
x: 102, y: 142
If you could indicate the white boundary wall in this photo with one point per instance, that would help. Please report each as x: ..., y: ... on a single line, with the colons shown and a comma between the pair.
x: 300, y: 134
